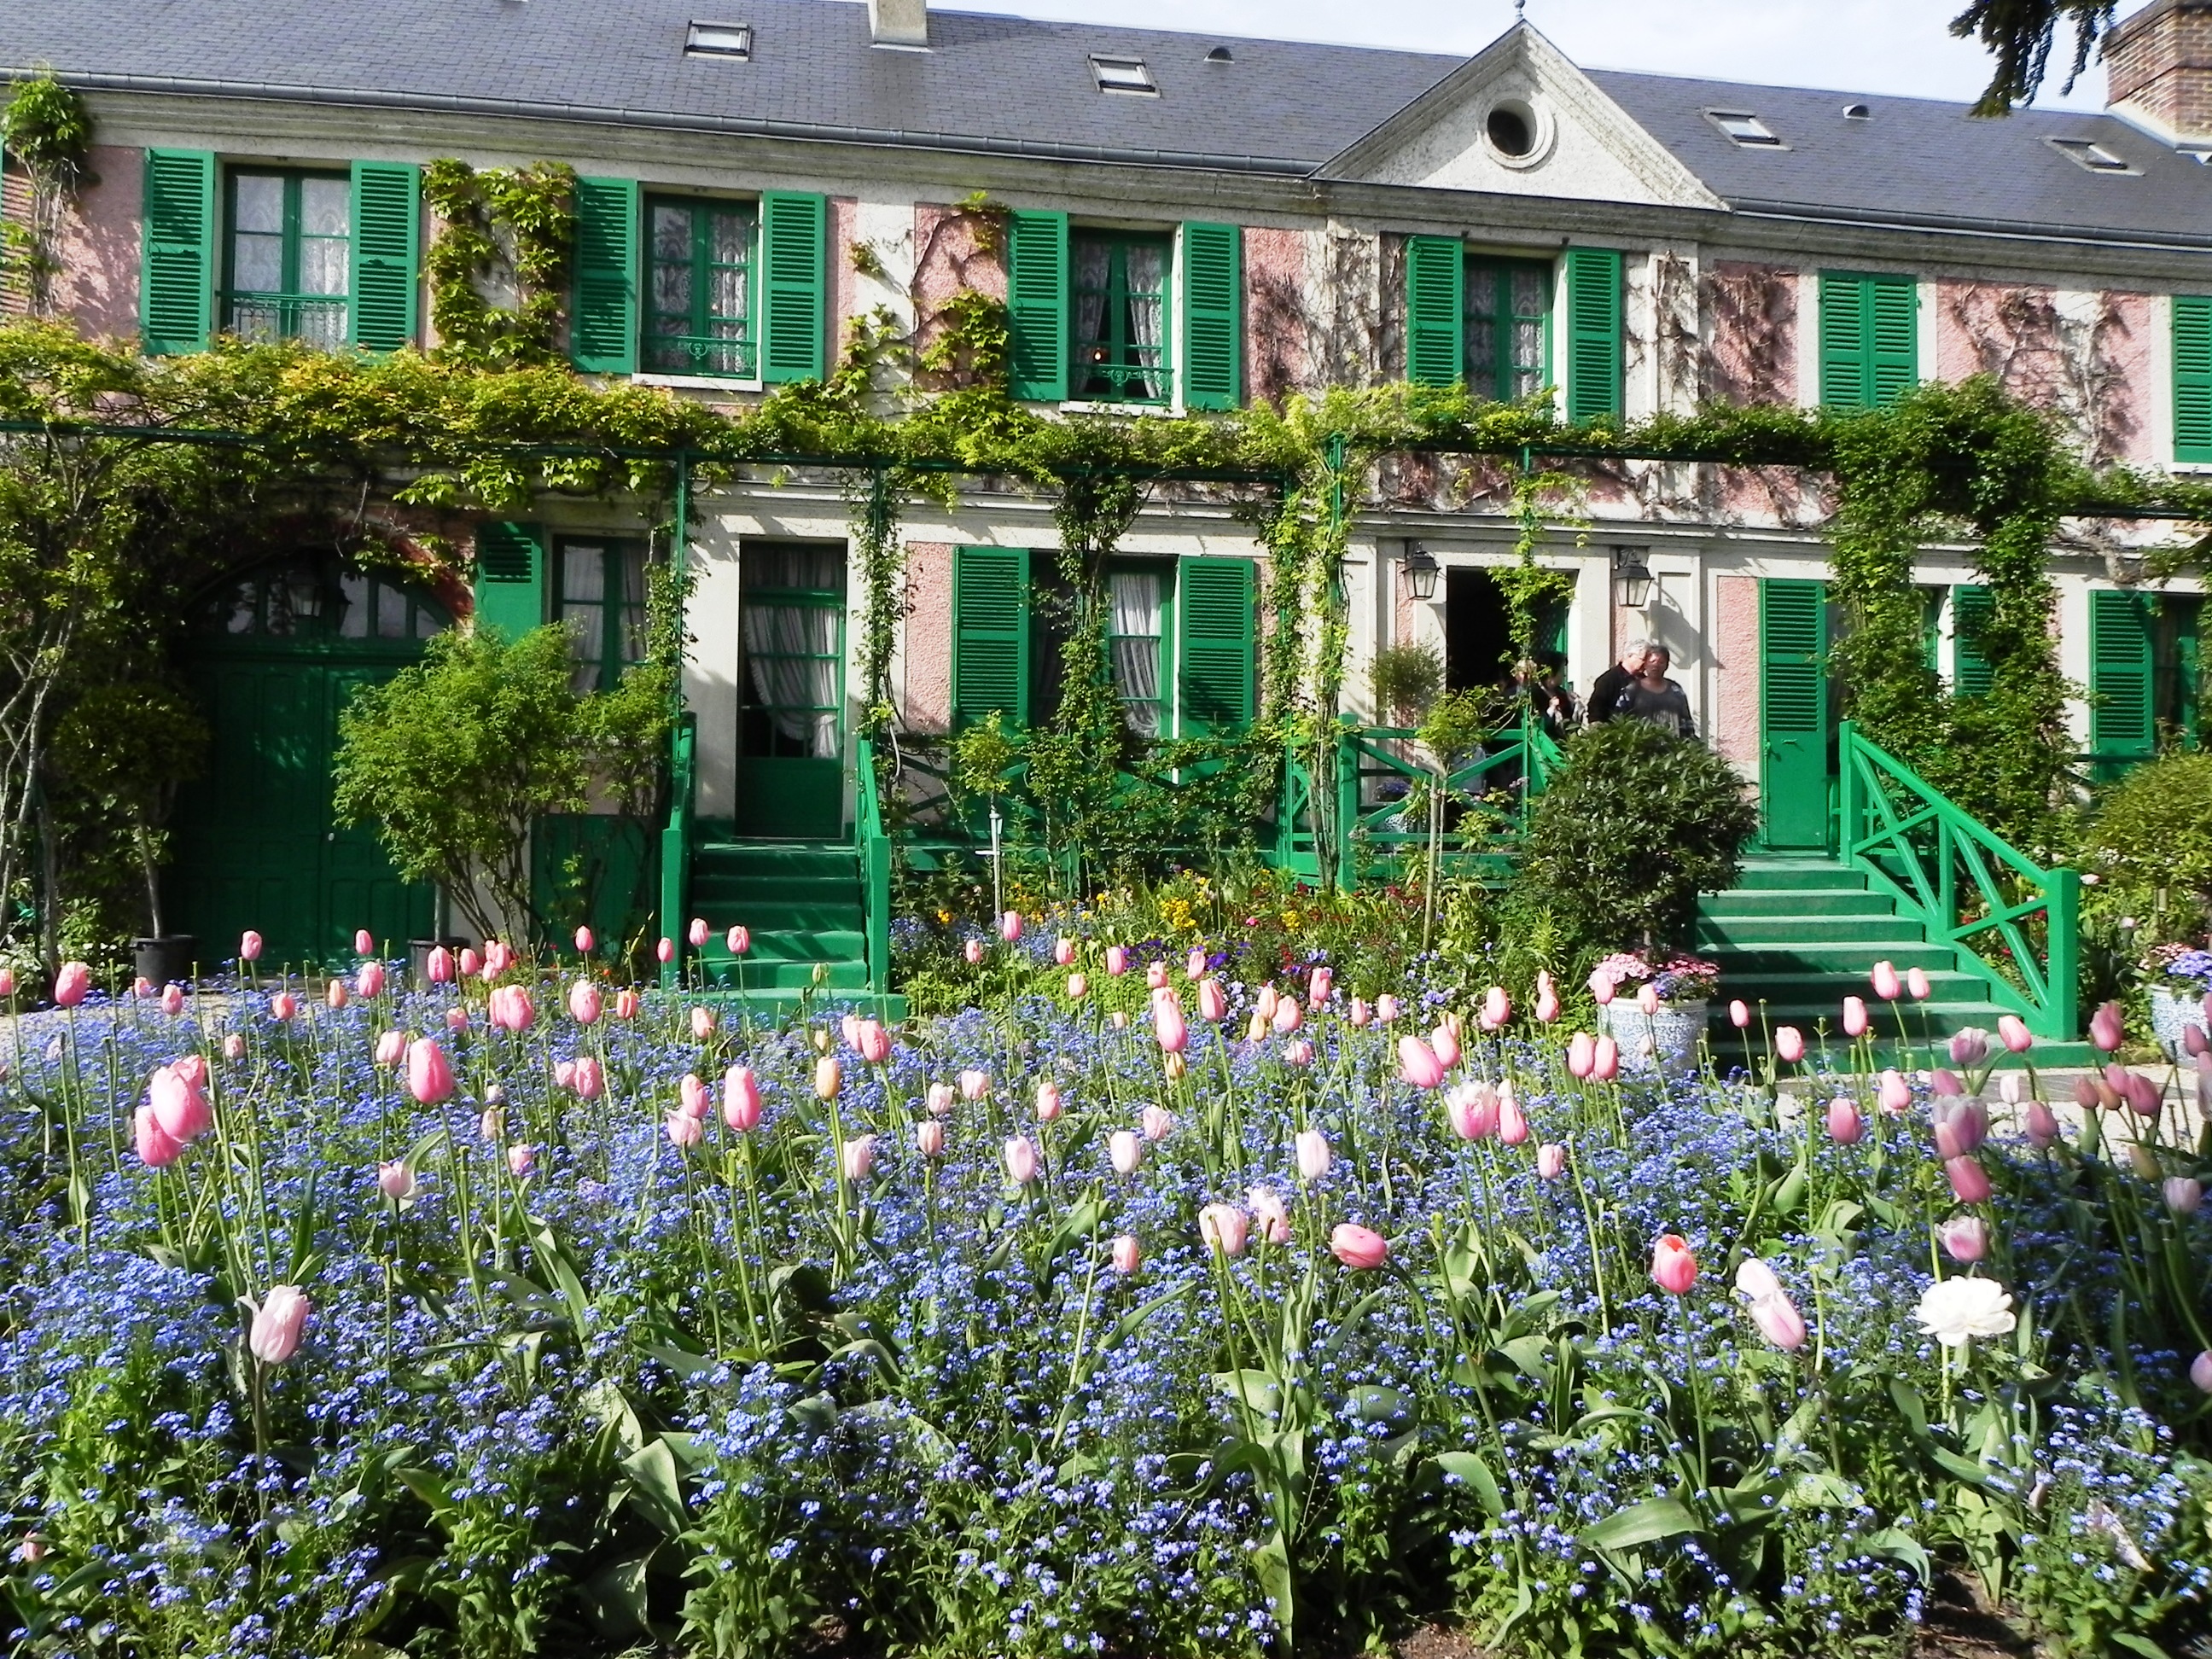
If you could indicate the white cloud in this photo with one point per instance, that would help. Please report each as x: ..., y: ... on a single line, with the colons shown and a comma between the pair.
x: 1893, y: 47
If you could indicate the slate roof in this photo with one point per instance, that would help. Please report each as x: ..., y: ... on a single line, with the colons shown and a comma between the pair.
x: 1011, y: 85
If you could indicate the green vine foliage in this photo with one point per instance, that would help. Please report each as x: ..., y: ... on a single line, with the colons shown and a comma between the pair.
x: 516, y: 223
x: 46, y: 127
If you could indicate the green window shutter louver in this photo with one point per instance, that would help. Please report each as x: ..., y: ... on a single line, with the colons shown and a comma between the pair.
x: 1793, y: 646
x: 176, y: 287
x: 387, y: 241
x: 1435, y: 280
x: 1213, y: 316
x: 990, y: 635
x: 510, y: 588
x: 2193, y: 378
x: 794, y: 285
x: 1593, y: 345
x: 603, y: 313
x: 1869, y: 339
x: 2122, y: 728
x: 1214, y: 640
x: 1971, y: 610
x: 1036, y: 306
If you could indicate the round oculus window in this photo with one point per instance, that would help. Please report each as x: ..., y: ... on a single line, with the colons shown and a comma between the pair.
x: 1511, y: 129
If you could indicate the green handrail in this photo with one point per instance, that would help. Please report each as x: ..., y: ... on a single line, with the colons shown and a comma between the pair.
x: 1519, y: 757
x: 676, y: 842
x: 1917, y: 845
x: 875, y: 851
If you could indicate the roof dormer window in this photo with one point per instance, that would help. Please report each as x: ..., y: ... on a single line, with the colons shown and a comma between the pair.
x: 1123, y: 75
x: 719, y: 40
x: 1745, y: 129
x: 2089, y: 153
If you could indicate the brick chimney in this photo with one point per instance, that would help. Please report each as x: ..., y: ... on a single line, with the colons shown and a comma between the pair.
x: 2158, y: 68
x: 906, y: 23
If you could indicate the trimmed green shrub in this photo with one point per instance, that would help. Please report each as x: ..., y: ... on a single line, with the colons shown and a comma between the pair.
x: 2150, y: 847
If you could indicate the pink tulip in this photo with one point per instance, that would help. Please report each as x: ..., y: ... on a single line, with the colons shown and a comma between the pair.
x: 2107, y: 1029
x: 470, y: 964
x: 1674, y: 1268
x: 2143, y: 1094
x: 1917, y: 984
x: 1473, y: 1110
x: 1969, y: 1182
x: 1079, y: 987
x: 1512, y: 1122
x: 390, y: 1048
x: 929, y: 1137
x: 690, y: 1095
x: 1769, y: 1306
x: 172, y: 1002
x: 334, y: 993
x: 738, y: 940
x: 72, y: 985
x: 1360, y: 1248
x: 1547, y: 1008
x: 509, y: 1009
x: 1965, y: 1238
x: 7, y: 981
x: 192, y: 1069
x: 369, y: 982
x: 440, y: 965
x: 828, y: 1078
x: 1168, y: 1029
x: 1212, y: 1001
x: 1156, y: 1124
x: 849, y: 1030
x: 583, y: 1004
x: 1125, y: 1151
x: 233, y: 1046
x: 1969, y: 1048
x: 1298, y: 1052
x: 1647, y: 1000
x: 1602, y: 986
x: 1117, y: 960
x: 521, y: 1160
x: 1418, y: 1064
x: 684, y: 1131
x: 1193, y: 965
x: 2088, y: 1094
x: 1021, y: 1155
x: 1893, y: 1093
x: 875, y: 1043
x: 1156, y: 976
x: 590, y: 1079
x: 698, y: 933
x: 142, y: 987
x: 973, y: 951
x: 274, y: 1336
x: 178, y: 1106
x: 429, y: 1078
x: 497, y: 959
x: 492, y: 1125
x: 974, y: 1084
x: 1605, y: 1059
x: 665, y: 949
x: 1944, y: 1081
x: 1886, y: 985
x: 2200, y: 1371
x: 1288, y: 1015
x: 284, y: 1005
x: 703, y: 1021
x: 1445, y: 1041
x: 583, y: 941
x: 1128, y: 1254
x: 858, y: 1156
x: 1314, y: 1155
x: 249, y: 946
x: 741, y: 1099
x: 938, y: 1098
x: 1225, y: 1228
x: 1581, y: 1055
x: 1049, y: 1105
x: 1063, y: 951
x: 2193, y: 1040
x: 1320, y: 984
x: 1256, y: 1029
x: 1551, y: 1161
x: 1855, y: 1017
x: 1496, y: 1007
x: 2041, y: 1124
x: 1962, y: 1125
x: 1386, y: 1009
x: 1010, y: 926
x: 627, y: 1004
x: 156, y: 1149
x: 1739, y: 1016
x: 395, y: 1180
x: 1272, y: 1215
x: 1846, y: 1126
x: 1789, y: 1043
x: 2184, y: 1195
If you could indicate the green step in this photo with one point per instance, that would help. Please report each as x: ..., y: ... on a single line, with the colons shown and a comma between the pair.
x: 846, y: 917
x: 1779, y: 874
x: 1756, y: 933
x: 1787, y: 902
x: 1847, y: 957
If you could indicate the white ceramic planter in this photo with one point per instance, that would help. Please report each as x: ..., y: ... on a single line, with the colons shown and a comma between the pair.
x: 1666, y: 1041
x: 2172, y: 1012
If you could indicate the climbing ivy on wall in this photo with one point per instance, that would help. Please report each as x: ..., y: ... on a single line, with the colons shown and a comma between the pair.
x: 512, y: 224
x: 45, y: 129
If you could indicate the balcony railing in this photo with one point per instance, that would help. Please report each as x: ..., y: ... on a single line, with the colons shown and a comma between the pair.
x: 1130, y: 383
x: 321, y: 319
x: 706, y: 355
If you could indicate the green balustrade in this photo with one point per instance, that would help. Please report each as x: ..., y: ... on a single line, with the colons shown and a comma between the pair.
x: 676, y: 843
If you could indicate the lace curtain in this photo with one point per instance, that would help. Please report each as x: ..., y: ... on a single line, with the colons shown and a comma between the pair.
x: 1135, y: 595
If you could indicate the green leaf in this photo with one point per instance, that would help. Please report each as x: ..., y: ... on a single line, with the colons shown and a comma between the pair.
x: 1257, y: 1389
x: 1894, y: 1544
x: 1271, y: 1565
x: 2134, y: 1643
x: 614, y: 1597
x: 1646, y: 1523
x: 1469, y: 1467
x: 657, y: 1488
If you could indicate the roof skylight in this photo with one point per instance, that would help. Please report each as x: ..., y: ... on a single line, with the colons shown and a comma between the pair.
x: 719, y: 40
x: 1123, y: 75
x: 2088, y: 153
x: 1744, y: 128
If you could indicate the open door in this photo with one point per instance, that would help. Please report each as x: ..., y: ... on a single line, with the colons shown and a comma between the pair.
x: 791, y: 694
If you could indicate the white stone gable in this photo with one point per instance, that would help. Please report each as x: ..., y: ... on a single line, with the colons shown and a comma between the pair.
x: 1582, y: 144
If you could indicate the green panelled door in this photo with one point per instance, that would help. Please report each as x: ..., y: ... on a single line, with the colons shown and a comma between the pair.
x: 276, y: 657
x: 791, y: 692
x: 1795, y: 724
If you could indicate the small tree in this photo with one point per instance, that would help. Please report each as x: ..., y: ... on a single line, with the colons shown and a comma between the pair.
x: 1637, y: 826
x: 129, y: 745
x: 453, y: 759
x: 1405, y: 679
x: 2151, y: 847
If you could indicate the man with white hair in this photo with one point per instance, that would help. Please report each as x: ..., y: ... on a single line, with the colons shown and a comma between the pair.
x: 1614, y: 685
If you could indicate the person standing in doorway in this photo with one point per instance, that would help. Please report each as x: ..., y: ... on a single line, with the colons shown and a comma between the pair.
x: 1613, y: 685
x: 1651, y: 696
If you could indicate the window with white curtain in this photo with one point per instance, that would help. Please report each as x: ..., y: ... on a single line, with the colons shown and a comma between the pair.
x: 791, y: 629
x: 1120, y: 296
x: 1137, y: 631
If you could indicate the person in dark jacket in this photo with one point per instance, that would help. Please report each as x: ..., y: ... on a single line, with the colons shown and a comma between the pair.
x: 1612, y: 686
x: 1652, y: 697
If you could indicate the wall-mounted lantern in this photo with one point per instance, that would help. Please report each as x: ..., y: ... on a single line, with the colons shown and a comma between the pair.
x: 1632, y: 578
x: 1420, y: 568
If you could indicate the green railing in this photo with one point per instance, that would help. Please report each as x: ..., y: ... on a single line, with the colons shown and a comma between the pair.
x: 875, y: 851
x: 2011, y: 922
x: 1506, y: 776
x: 675, y: 844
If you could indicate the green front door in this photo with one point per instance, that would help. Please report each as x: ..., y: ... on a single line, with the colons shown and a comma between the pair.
x: 791, y: 694
x: 1797, y: 729
x: 275, y: 659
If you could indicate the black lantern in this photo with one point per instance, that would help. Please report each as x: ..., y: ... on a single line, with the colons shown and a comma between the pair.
x: 1420, y: 568
x: 1632, y: 578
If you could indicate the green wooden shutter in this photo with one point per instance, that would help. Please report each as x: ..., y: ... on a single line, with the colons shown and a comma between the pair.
x: 2122, y: 729
x: 1436, y: 322
x: 510, y: 578
x: 1893, y: 337
x: 1037, y: 305
x: 603, y: 315
x: 1793, y: 712
x: 176, y: 283
x: 387, y: 241
x: 1213, y: 316
x: 1593, y: 353
x: 1844, y: 379
x: 1869, y: 339
x: 794, y: 247
x: 1214, y: 639
x: 2193, y: 378
x: 990, y: 635
x: 1971, y: 675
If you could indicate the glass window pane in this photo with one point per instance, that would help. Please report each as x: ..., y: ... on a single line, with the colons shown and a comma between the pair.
x: 1148, y: 268
x: 326, y: 207
x: 353, y: 606
x: 783, y: 567
x: 631, y: 561
x: 427, y: 622
x: 672, y: 232
x: 257, y: 202
x: 390, y: 613
x: 323, y: 265
x: 256, y: 263
x: 583, y: 573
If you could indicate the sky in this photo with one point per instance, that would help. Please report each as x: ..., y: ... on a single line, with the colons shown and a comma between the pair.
x: 1896, y: 47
